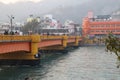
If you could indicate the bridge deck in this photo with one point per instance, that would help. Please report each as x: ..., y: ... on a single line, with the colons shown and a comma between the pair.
x: 31, y: 43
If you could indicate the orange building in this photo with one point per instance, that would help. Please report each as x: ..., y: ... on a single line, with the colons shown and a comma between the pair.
x: 100, y: 26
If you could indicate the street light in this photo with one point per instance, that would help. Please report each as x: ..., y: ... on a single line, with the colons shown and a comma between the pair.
x: 11, y: 22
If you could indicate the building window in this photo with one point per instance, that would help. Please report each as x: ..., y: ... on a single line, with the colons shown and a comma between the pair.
x: 102, y: 25
x: 102, y: 31
x: 117, y: 25
x: 91, y: 31
x: 113, y: 25
x: 107, y: 25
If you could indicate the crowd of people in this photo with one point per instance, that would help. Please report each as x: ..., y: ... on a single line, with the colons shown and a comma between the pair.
x: 6, y: 32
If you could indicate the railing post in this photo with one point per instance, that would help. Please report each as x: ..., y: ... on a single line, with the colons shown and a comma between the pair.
x: 34, y: 45
x: 64, y: 43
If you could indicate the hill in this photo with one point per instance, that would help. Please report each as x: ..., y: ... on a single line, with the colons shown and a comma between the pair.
x: 61, y: 9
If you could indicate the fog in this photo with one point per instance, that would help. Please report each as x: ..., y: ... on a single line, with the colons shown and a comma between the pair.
x: 61, y: 9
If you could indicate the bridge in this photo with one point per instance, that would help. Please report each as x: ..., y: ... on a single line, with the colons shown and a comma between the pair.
x: 26, y: 48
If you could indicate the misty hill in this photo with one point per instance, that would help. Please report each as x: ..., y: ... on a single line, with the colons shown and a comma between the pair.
x: 61, y: 9
x: 76, y: 13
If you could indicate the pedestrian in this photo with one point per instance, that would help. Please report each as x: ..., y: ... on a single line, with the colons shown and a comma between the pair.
x: 6, y: 32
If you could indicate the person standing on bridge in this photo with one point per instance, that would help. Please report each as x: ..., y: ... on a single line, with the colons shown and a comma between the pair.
x: 6, y: 32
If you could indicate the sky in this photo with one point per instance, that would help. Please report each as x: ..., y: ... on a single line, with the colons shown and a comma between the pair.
x: 60, y: 9
x: 14, y: 1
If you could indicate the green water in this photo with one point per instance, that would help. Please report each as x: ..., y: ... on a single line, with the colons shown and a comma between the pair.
x: 84, y: 63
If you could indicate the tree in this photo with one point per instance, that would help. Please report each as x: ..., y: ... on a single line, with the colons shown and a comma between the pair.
x: 113, y: 45
x: 31, y: 26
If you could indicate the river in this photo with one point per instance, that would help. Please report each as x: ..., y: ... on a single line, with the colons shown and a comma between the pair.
x: 84, y: 63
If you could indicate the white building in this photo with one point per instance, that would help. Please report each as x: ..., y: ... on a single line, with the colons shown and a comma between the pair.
x: 31, y: 18
x: 49, y: 16
x: 70, y: 25
x: 3, y: 27
x: 7, y: 26
x: 51, y: 23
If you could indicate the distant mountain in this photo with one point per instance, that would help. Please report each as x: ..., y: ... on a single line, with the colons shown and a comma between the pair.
x: 61, y: 9
x: 22, y: 10
x: 76, y: 13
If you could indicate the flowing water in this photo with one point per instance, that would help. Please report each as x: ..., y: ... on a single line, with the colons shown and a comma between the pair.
x: 84, y: 63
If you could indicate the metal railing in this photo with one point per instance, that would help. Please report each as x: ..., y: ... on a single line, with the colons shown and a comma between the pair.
x: 14, y: 38
x: 18, y: 38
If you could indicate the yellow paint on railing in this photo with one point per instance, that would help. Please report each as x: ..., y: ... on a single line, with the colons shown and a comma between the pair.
x: 50, y: 37
x: 35, y: 38
x: 28, y: 38
x: 14, y: 38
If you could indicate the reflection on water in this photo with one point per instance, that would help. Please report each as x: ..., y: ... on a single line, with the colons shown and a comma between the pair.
x: 85, y: 63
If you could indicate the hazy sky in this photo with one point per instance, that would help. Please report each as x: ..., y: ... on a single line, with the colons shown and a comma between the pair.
x: 14, y: 1
x: 61, y: 9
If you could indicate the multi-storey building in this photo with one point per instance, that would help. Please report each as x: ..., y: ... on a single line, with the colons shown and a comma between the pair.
x: 100, y: 26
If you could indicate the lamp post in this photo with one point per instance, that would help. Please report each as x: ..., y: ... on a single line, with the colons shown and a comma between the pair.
x: 11, y: 22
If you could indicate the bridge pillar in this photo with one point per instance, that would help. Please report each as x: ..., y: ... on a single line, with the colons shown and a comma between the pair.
x: 64, y: 42
x: 34, y: 45
x: 77, y: 40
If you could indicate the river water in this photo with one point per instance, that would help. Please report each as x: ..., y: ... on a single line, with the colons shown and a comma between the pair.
x: 84, y: 63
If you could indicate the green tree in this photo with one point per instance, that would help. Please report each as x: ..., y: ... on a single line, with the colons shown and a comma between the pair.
x: 113, y: 45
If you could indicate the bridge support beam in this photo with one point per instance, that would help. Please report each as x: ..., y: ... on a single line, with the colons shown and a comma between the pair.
x: 21, y: 56
x: 59, y: 43
x: 60, y: 47
x: 64, y: 42
x: 18, y: 58
x: 34, y: 45
x: 77, y: 41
